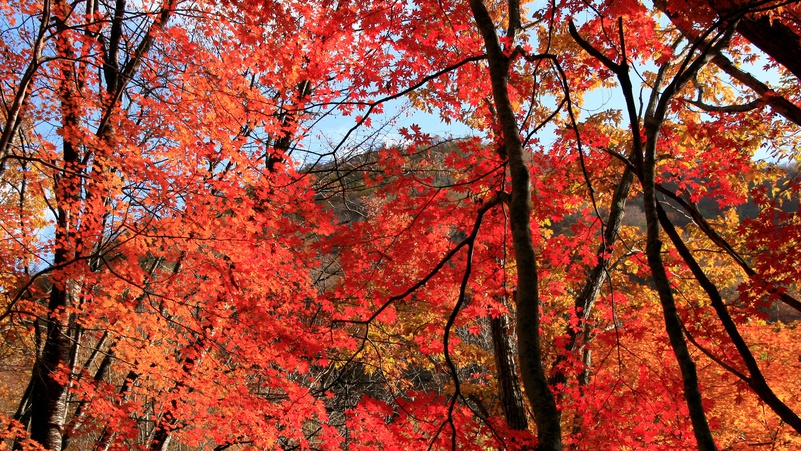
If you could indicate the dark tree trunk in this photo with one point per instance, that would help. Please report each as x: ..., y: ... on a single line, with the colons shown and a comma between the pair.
x: 673, y: 326
x: 645, y: 162
x: 546, y: 414
x: 775, y: 39
x: 585, y: 301
x: 49, y: 403
x: 514, y: 408
x: 766, y: 32
x: 756, y: 379
x: 654, y: 118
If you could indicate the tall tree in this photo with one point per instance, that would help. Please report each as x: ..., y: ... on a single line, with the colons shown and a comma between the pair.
x: 188, y: 263
x: 147, y: 141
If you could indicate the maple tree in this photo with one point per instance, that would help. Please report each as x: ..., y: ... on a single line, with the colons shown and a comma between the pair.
x: 180, y: 265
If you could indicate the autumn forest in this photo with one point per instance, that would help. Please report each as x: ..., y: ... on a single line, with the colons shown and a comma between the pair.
x: 400, y: 225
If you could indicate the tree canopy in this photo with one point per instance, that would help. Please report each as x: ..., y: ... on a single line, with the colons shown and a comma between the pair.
x: 193, y: 257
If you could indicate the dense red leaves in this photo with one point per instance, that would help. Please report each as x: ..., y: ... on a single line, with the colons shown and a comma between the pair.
x: 244, y: 298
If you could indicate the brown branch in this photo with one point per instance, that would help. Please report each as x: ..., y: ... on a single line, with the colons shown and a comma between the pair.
x: 645, y: 161
x: 470, y: 242
x: 750, y: 106
x: 756, y: 380
x: 721, y: 242
x: 779, y: 103
x: 13, y: 119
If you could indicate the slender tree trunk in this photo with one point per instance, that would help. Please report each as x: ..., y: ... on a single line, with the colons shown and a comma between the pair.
x: 49, y: 403
x: 104, y: 441
x: 756, y: 380
x: 161, y: 440
x: 585, y: 301
x: 546, y: 415
x: 645, y: 161
x: 673, y: 326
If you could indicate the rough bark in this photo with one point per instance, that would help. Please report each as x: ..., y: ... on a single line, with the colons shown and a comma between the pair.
x: 49, y: 402
x: 514, y: 409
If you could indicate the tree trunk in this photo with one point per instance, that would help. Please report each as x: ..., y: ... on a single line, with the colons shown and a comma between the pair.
x: 775, y: 39
x: 514, y: 409
x: 767, y: 33
x: 585, y: 301
x: 546, y: 415
x: 756, y: 379
x: 673, y: 326
x: 49, y: 403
